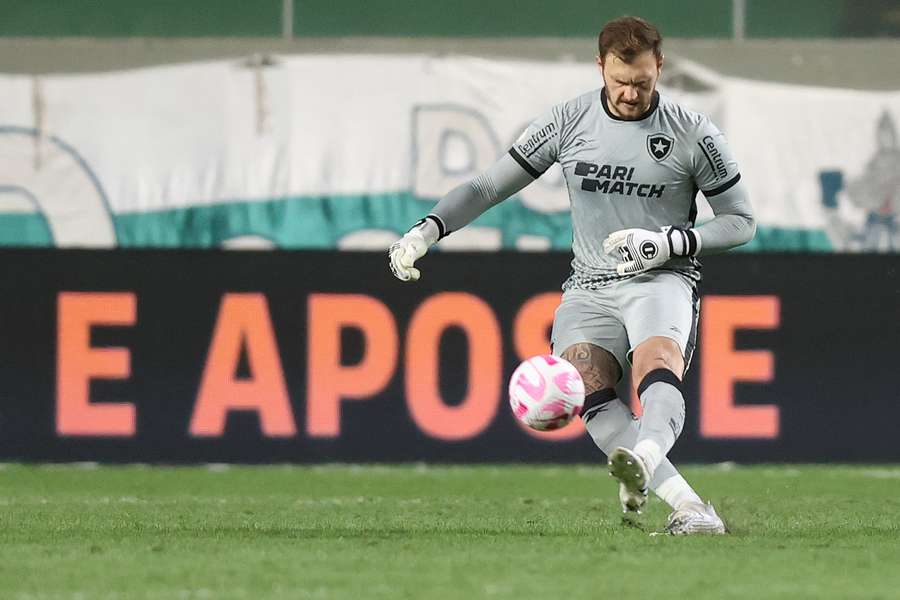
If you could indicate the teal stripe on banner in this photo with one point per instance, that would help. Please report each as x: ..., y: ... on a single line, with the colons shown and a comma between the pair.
x: 777, y: 239
x: 321, y: 222
x: 311, y: 222
x: 24, y: 229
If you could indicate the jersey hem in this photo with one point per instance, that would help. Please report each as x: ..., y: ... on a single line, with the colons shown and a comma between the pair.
x: 589, y: 283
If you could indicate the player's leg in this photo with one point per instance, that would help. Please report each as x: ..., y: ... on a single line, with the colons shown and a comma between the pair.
x: 591, y: 316
x: 661, y: 313
x: 610, y: 423
x: 658, y: 366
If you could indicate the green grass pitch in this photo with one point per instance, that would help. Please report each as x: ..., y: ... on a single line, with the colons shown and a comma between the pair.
x: 361, y: 532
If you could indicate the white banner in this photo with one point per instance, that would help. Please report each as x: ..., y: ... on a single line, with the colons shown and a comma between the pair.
x: 819, y: 158
x: 325, y: 151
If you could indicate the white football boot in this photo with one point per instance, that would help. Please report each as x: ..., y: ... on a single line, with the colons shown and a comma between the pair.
x: 629, y: 469
x: 695, y: 518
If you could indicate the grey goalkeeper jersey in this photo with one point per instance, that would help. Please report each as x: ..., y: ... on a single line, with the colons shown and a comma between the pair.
x: 621, y: 174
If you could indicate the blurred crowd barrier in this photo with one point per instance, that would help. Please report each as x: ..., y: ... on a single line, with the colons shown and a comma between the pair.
x: 347, y: 151
x: 162, y: 356
x: 192, y: 18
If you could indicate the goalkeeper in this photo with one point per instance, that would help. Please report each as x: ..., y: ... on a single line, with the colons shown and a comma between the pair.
x: 633, y: 162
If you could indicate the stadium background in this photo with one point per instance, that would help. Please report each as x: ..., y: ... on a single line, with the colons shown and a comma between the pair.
x: 195, y: 200
x: 109, y: 142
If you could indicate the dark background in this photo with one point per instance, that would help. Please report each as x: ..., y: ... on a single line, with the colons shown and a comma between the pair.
x: 836, y: 357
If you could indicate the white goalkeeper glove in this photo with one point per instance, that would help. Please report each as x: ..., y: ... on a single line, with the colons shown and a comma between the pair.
x: 641, y: 250
x: 413, y: 246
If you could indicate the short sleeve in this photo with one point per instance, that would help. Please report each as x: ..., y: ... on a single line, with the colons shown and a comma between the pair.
x: 715, y: 169
x: 538, y: 147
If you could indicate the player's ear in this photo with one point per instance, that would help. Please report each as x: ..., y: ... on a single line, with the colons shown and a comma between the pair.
x: 660, y: 61
x: 599, y: 62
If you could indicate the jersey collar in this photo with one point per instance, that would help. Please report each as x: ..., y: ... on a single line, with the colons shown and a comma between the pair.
x: 654, y: 103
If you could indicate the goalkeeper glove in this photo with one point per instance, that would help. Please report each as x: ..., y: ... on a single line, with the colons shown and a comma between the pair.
x: 641, y: 250
x: 412, y: 246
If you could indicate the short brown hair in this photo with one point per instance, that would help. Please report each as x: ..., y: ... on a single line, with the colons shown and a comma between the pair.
x: 626, y: 37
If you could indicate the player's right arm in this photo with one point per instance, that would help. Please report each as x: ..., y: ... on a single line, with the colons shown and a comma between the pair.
x: 532, y: 154
x: 462, y: 205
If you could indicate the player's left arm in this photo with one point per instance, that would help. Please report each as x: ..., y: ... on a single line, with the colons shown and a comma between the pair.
x: 733, y: 224
x: 716, y: 173
x: 532, y: 154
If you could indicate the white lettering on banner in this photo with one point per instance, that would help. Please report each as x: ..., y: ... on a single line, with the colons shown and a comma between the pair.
x: 453, y: 144
x: 440, y: 165
x: 61, y: 188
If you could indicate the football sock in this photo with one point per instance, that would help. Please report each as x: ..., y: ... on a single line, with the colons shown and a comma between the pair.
x: 675, y: 491
x: 610, y: 424
x: 663, y: 418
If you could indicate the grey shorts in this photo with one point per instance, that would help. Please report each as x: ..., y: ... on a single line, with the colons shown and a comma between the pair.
x: 622, y: 315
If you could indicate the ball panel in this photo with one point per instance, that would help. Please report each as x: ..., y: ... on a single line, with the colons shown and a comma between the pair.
x: 546, y: 392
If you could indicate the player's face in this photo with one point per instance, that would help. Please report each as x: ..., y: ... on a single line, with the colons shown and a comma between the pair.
x: 630, y: 86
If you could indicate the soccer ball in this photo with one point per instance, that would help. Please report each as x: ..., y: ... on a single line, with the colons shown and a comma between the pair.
x: 546, y: 392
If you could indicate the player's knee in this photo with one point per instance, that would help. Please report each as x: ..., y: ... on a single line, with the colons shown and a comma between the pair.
x: 657, y: 353
x: 654, y: 364
x: 661, y: 375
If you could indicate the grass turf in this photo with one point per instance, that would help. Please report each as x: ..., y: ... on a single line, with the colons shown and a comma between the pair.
x: 362, y: 532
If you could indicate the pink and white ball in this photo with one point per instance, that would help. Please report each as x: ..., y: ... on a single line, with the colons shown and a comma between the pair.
x: 546, y: 392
